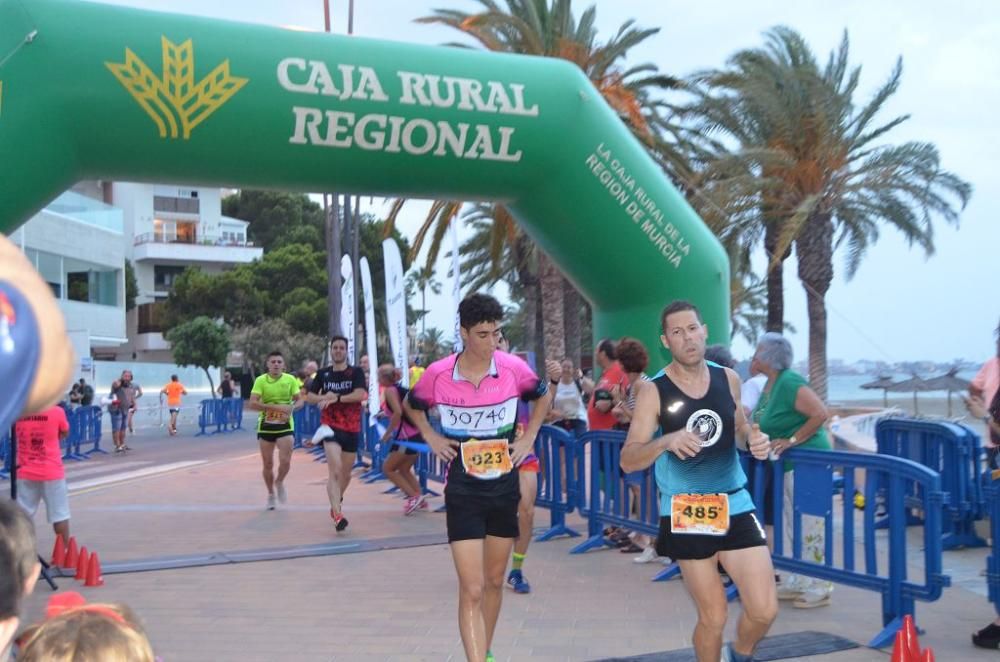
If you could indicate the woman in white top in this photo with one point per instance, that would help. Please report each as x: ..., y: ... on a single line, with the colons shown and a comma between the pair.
x: 568, y: 410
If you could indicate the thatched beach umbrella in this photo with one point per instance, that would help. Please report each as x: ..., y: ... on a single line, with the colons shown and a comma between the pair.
x: 912, y: 385
x: 948, y: 382
x: 883, y: 382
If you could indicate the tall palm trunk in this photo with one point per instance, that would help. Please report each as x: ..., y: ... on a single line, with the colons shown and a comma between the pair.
x: 814, y: 249
x: 528, y: 282
x: 572, y: 315
x: 775, y: 279
x: 553, y: 320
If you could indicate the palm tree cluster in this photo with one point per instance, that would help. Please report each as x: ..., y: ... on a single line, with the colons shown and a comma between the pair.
x: 772, y: 150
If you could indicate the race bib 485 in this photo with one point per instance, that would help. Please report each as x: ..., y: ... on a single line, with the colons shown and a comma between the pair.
x: 704, y: 514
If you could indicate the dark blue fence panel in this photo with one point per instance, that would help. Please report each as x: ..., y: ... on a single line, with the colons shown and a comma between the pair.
x: 612, y: 499
x: 556, y: 451
x: 4, y: 454
x: 954, y: 452
x: 993, y: 560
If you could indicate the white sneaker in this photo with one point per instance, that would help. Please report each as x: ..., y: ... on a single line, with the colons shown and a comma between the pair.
x: 648, y: 556
x: 270, y: 502
x: 322, y: 433
x: 812, y: 599
x: 789, y: 592
x: 282, y: 494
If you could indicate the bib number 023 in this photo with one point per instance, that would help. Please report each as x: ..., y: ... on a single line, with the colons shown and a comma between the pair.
x: 487, y: 459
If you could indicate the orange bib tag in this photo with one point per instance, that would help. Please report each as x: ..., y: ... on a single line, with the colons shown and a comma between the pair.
x: 704, y: 514
x: 487, y: 459
x: 995, y: 474
x: 271, y: 416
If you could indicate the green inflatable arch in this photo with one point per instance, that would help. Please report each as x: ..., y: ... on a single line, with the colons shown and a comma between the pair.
x: 96, y: 91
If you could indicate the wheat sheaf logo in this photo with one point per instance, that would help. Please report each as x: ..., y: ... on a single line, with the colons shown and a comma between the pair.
x: 176, y: 103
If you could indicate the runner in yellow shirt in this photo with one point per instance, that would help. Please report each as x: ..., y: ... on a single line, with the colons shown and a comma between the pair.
x: 275, y: 395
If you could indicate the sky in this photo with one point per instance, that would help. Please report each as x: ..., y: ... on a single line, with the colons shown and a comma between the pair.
x: 901, y: 305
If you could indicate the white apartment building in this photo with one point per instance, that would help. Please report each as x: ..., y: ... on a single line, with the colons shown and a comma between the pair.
x: 80, y: 241
x: 171, y: 228
x: 78, y: 246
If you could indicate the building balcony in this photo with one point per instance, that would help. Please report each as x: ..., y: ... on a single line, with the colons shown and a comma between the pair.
x: 194, y: 248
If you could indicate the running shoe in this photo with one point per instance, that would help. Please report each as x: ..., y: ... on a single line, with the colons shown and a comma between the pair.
x: 988, y: 637
x: 339, y: 521
x: 126, y: 448
x: 517, y: 582
x: 270, y: 502
x: 423, y: 502
x: 489, y: 657
x: 411, y: 505
x: 648, y: 556
x: 282, y: 494
x: 812, y: 599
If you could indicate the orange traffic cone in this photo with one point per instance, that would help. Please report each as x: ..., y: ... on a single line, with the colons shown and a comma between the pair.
x: 94, y: 577
x: 58, y: 552
x: 912, y: 642
x: 81, y: 566
x: 899, y: 651
x: 72, y: 556
x: 928, y: 655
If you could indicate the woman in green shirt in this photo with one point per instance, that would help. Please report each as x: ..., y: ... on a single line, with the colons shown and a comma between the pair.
x: 792, y: 415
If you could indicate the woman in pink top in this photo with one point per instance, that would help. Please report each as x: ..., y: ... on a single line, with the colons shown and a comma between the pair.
x: 398, y: 466
x: 40, y: 473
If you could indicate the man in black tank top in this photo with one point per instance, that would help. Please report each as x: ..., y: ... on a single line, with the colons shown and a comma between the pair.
x: 707, y: 516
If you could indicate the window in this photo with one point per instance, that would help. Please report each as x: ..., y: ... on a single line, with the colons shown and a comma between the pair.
x: 164, y: 277
x: 149, y: 317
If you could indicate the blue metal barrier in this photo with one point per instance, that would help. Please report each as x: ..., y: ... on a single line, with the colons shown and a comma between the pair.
x: 223, y: 414
x: 556, y: 451
x: 5, y: 455
x: 611, y: 501
x: 88, y: 422
x: 993, y: 560
x: 207, y: 417
x: 904, y: 484
x: 954, y: 452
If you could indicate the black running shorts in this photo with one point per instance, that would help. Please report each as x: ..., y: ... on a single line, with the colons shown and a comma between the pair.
x: 744, y: 532
x: 273, y: 431
x: 473, y: 517
x: 348, y: 441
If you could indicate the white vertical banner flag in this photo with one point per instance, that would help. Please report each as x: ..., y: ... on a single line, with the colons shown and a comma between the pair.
x: 347, y: 307
x: 395, y: 304
x: 370, y: 347
x: 456, y: 288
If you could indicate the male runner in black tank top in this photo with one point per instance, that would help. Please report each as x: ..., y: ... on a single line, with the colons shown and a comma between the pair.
x: 706, y: 513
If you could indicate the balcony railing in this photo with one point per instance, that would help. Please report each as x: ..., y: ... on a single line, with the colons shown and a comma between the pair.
x: 176, y: 205
x: 194, y: 239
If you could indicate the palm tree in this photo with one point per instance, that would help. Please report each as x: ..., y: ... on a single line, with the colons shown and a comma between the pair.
x: 422, y: 278
x: 548, y: 28
x: 824, y: 179
x: 432, y: 344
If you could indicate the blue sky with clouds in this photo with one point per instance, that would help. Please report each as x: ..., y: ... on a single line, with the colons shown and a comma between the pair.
x: 900, y: 305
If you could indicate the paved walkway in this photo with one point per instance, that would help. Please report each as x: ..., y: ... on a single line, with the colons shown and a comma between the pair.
x: 393, y: 603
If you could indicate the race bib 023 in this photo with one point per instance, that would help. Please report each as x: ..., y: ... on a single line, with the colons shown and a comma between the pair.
x: 487, y: 459
x: 703, y: 514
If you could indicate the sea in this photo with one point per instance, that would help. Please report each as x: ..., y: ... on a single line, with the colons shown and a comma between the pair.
x: 847, y: 388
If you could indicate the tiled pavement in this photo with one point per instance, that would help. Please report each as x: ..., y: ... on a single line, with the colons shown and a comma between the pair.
x: 398, y: 604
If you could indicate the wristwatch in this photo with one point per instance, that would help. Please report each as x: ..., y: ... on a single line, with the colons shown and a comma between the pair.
x: 792, y: 440
x: 554, y: 382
